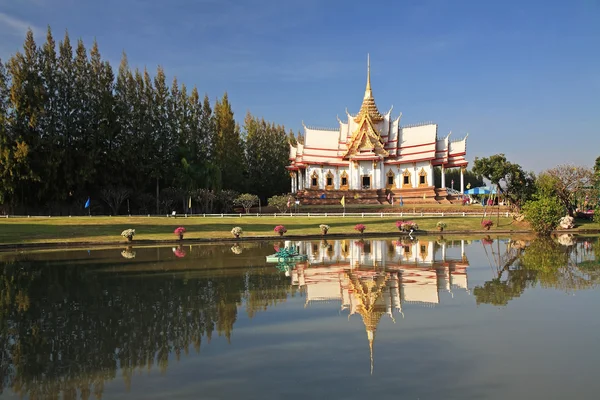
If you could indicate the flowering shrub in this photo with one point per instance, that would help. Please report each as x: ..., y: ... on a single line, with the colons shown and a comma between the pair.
x: 128, y: 233
x: 487, y: 240
x: 324, y: 229
x: 441, y: 224
x: 406, y: 226
x: 179, y: 231
x: 179, y: 252
x: 360, y: 244
x: 280, y: 229
x: 360, y: 227
x: 236, y: 231
x: 128, y: 253
x: 236, y: 249
x: 487, y: 223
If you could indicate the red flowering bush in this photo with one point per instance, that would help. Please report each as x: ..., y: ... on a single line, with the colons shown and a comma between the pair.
x: 487, y: 223
x: 360, y: 227
x: 179, y: 232
x: 280, y: 229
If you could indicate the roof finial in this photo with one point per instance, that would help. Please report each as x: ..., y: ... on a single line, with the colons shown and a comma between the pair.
x: 368, y: 92
x: 370, y: 337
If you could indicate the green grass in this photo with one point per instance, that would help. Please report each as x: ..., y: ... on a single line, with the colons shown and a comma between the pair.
x: 108, y: 229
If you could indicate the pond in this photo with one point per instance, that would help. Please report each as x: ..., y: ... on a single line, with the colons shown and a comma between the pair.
x: 427, y: 318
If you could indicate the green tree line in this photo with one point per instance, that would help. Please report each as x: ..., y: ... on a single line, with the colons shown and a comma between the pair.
x: 70, y: 129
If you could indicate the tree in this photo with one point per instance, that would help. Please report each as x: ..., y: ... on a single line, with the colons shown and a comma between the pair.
x: 512, y: 182
x: 571, y: 184
x: 267, y: 152
x: 25, y: 110
x: 543, y: 214
x: 247, y: 200
x: 114, y: 197
x: 279, y: 202
x: 229, y: 154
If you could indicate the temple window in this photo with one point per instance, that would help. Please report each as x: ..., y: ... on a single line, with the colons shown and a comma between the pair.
x: 314, y: 180
x: 407, y: 252
x: 422, y: 178
x: 315, y: 250
x: 344, y: 248
x: 344, y: 181
x: 329, y: 181
x: 423, y: 251
x: 367, y: 247
x: 406, y: 178
x: 366, y: 181
x: 390, y: 179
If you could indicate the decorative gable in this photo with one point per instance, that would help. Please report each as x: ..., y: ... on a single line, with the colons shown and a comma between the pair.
x: 366, y: 141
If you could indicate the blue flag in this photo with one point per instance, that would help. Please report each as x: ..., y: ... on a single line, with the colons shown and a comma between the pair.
x: 323, y: 196
x: 401, y: 201
x: 87, y: 203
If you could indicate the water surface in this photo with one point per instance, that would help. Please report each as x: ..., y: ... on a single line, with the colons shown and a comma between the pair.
x: 414, y: 319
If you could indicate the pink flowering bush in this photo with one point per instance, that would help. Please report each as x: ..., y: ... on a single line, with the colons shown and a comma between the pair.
x: 280, y: 229
x: 360, y: 227
x: 179, y: 232
x: 487, y: 224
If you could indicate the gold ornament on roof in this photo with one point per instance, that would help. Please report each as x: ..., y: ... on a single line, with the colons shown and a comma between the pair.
x: 367, y: 292
x: 368, y: 107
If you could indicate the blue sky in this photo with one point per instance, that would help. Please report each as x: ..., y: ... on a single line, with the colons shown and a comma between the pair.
x: 521, y: 77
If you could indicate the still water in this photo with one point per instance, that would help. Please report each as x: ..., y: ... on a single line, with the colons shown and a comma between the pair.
x: 430, y: 318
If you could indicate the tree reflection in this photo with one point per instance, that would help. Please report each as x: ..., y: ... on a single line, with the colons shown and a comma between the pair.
x: 66, y: 330
x: 549, y: 263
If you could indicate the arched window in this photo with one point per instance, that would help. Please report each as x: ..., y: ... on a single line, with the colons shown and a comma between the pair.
x: 406, y: 179
x: 407, y: 250
x: 344, y: 248
x: 390, y: 180
x: 423, y: 250
x: 329, y: 181
x: 422, y: 178
x: 314, y: 180
x: 344, y: 181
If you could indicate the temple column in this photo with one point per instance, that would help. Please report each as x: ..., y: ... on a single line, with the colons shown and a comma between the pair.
x: 415, y: 181
x: 443, y: 176
x: 382, y: 181
x: 444, y: 252
x: 462, y: 180
x: 293, y: 183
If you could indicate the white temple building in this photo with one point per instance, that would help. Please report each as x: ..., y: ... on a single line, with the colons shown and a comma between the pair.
x: 370, y: 156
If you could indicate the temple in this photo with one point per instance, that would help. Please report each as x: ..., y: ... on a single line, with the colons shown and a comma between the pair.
x: 371, y: 157
x: 374, y: 278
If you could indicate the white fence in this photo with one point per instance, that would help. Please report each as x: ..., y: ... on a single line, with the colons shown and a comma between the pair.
x: 483, y: 213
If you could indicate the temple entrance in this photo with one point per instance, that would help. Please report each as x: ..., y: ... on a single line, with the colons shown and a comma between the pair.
x: 366, y: 182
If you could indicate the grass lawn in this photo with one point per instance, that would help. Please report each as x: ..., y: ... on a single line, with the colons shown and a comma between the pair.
x: 108, y: 229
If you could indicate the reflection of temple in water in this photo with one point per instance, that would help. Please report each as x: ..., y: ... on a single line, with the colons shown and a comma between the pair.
x: 376, y: 277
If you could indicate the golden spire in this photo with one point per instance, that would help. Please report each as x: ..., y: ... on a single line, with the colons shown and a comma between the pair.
x: 368, y: 107
x: 371, y: 337
x: 366, y: 292
x: 368, y: 92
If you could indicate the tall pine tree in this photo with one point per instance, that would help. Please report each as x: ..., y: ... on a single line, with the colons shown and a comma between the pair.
x: 229, y: 152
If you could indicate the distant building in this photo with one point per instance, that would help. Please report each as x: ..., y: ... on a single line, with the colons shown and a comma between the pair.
x: 371, y: 157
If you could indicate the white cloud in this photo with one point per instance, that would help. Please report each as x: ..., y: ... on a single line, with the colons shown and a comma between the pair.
x: 10, y: 25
